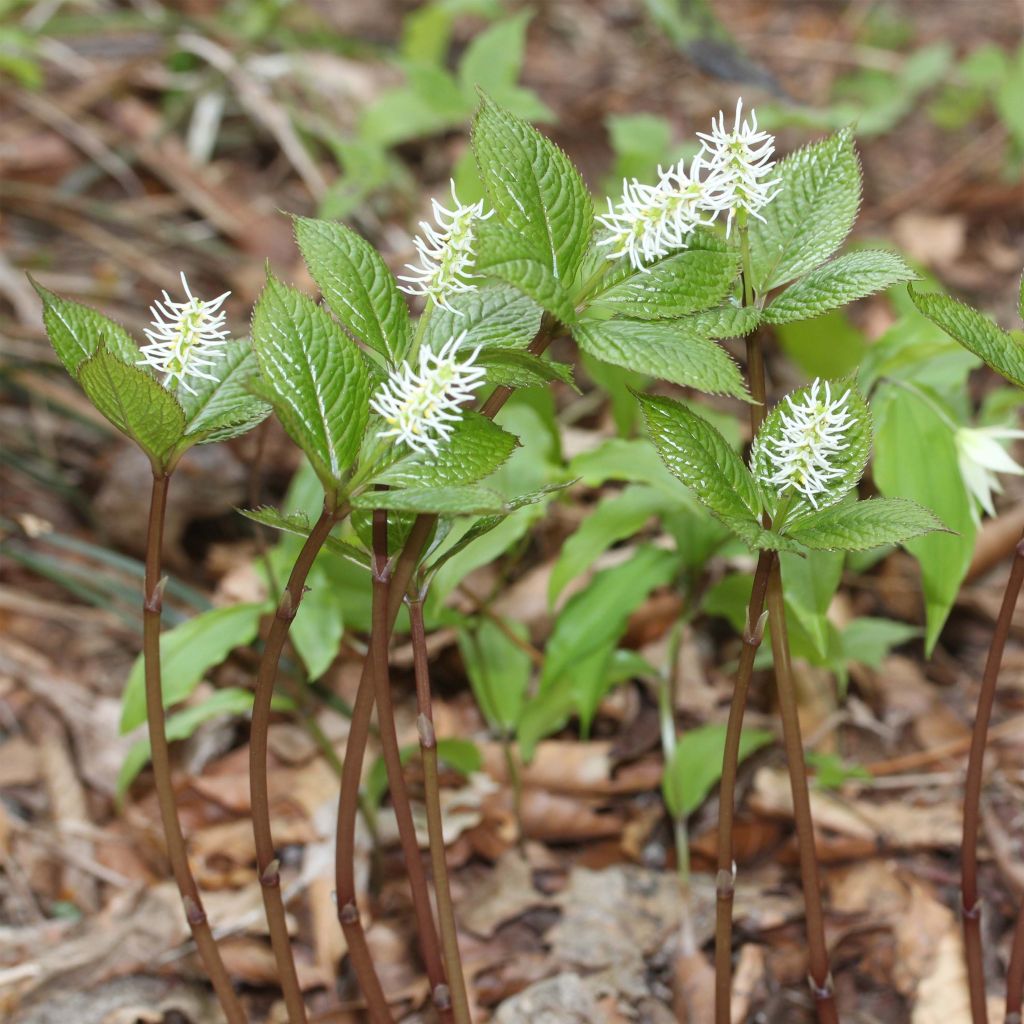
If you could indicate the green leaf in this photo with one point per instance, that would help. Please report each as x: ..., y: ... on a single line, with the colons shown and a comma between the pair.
x: 186, y: 653
x: 535, y: 190
x: 663, y: 350
x: 296, y: 523
x: 916, y: 458
x: 318, y: 627
x: 696, y: 765
x: 513, y: 368
x: 315, y: 376
x: 976, y: 332
x: 226, y: 407
x: 498, y: 669
x: 810, y: 583
x: 77, y: 332
x: 697, y: 454
x: 357, y: 285
x: 841, y: 356
x: 180, y: 726
x: 498, y: 316
x: 812, y: 214
x: 447, y: 501
x: 135, y: 403
x: 868, y: 641
x: 476, y: 448
x: 724, y: 322
x: 865, y: 524
x: 757, y: 538
x: 850, y: 277
x: 692, y: 280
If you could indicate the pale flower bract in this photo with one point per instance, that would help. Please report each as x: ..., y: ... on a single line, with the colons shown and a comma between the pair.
x: 422, y: 407
x: 446, y: 255
x: 980, y: 457
x: 184, y: 337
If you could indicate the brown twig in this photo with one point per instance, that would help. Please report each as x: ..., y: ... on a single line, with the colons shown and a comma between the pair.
x: 1015, y: 973
x: 970, y: 897
x: 177, y: 853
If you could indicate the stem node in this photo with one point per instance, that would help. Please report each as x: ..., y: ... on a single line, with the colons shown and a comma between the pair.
x: 270, y: 876
x: 822, y: 992
x: 442, y: 997
x: 194, y: 912
x: 425, y: 727
x: 155, y: 599
x: 348, y: 913
x: 725, y: 883
x: 286, y: 607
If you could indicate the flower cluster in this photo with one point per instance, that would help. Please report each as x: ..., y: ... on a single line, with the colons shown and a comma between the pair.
x: 185, y: 337
x: 813, y: 430
x: 728, y: 175
x: 421, y: 408
x: 446, y: 252
x: 980, y: 457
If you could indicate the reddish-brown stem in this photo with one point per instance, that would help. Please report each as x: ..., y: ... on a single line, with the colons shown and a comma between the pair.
x: 177, y: 853
x: 435, y: 822
x: 819, y: 974
x: 429, y: 945
x: 1015, y: 973
x: 970, y: 896
x: 726, y: 879
x: 267, y: 864
x: 359, y: 728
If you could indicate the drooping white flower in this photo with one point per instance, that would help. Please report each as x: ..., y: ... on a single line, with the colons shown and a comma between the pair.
x: 739, y: 162
x: 422, y: 407
x: 651, y: 221
x: 812, y: 432
x: 981, y: 457
x: 184, y: 337
x: 445, y: 252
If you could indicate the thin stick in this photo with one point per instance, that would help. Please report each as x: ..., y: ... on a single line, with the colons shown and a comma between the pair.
x: 970, y: 897
x: 725, y: 881
x: 1015, y: 973
x: 359, y: 730
x: 267, y: 864
x: 429, y: 945
x: 435, y: 822
x: 177, y: 853
x: 819, y: 974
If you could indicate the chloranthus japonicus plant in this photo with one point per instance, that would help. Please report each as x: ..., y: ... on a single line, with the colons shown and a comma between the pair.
x: 395, y: 415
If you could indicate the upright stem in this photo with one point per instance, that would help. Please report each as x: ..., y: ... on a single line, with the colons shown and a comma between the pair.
x: 432, y: 958
x: 435, y: 822
x: 1015, y: 973
x: 725, y: 882
x: 362, y: 710
x: 177, y: 853
x: 267, y: 864
x: 970, y: 896
x: 819, y: 975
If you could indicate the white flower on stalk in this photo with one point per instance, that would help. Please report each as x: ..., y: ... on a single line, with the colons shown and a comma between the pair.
x: 651, y: 221
x: 812, y: 432
x: 739, y: 161
x: 445, y: 252
x: 422, y: 407
x: 184, y: 338
x: 981, y: 457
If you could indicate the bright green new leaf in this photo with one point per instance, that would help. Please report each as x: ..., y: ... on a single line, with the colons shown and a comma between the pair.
x: 696, y: 765
x: 498, y: 669
x: 535, y: 190
x: 499, y: 316
x: 77, y: 331
x: 357, y: 285
x: 860, y: 525
x: 812, y: 214
x: 447, y: 501
x: 318, y: 627
x: 976, y: 332
x: 135, y: 403
x: 697, y: 454
x: 850, y: 277
x: 186, y: 653
x: 231, y: 700
x: 226, y: 407
x: 663, y: 350
x: 296, y: 523
x: 513, y: 368
x: 314, y: 375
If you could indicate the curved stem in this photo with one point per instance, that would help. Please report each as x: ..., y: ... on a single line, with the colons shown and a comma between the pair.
x: 1015, y: 973
x: 429, y: 945
x: 725, y: 881
x: 267, y: 864
x: 435, y: 821
x: 177, y: 853
x: 819, y: 974
x: 970, y: 896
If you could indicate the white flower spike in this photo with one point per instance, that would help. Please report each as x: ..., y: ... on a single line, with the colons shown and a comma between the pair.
x: 446, y: 252
x: 981, y: 457
x: 651, y: 221
x: 185, y: 337
x: 739, y: 162
x: 422, y: 408
x: 813, y: 431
